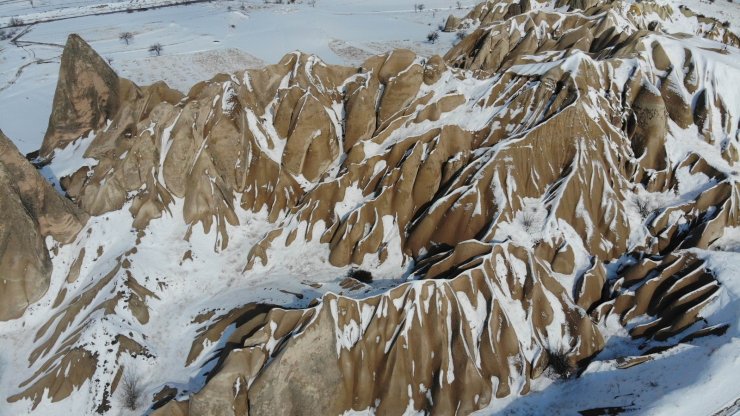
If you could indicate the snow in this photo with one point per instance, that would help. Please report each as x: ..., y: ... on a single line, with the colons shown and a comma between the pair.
x: 730, y: 240
x: 200, y: 40
x: 172, y: 283
x: 203, y: 39
x: 68, y: 160
x: 689, y: 379
x: 722, y: 10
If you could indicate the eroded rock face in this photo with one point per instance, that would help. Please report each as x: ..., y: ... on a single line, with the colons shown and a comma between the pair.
x: 420, y: 335
x: 527, y: 186
x: 31, y: 211
x: 88, y: 93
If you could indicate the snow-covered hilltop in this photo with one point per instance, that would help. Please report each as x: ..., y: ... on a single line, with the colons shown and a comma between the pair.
x: 544, y: 220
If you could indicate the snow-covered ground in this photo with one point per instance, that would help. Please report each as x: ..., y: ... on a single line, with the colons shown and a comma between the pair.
x: 205, y: 38
x: 686, y: 380
x: 201, y: 40
x: 723, y: 10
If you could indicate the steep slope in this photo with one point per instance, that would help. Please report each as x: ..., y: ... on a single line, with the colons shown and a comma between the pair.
x: 32, y: 210
x: 553, y: 185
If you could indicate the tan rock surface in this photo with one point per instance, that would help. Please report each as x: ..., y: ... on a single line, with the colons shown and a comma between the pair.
x: 31, y: 211
x: 527, y: 188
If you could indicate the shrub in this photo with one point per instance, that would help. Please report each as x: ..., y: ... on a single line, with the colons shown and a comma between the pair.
x: 433, y: 36
x: 363, y: 276
x: 558, y: 363
x: 156, y: 49
x: 529, y: 217
x: 131, y: 390
x: 643, y: 206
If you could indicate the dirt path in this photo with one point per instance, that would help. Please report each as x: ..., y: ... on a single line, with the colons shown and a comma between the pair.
x: 17, y: 42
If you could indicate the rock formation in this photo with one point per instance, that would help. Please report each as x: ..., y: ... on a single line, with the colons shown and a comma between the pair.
x: 31, y: 211
x: 550, y: 175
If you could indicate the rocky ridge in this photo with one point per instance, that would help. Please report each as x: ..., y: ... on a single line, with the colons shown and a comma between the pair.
x: 548, y: 176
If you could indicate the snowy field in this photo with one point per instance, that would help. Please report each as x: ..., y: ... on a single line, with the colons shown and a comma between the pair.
x: 204, y: 38
x: 201, y: 40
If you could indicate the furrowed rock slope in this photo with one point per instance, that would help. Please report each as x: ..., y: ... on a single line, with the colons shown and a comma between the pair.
x: 552, y: 180
x: 31, y: 211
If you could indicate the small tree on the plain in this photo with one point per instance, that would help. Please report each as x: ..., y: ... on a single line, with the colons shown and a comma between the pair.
x: 126, y: 37
x: 131, y: 390
x: 459, y: 5
x: 156, y: 49
x: 433, y: 36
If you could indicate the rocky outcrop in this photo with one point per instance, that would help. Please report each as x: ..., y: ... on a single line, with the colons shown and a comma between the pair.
x: 88, y: 94
x: 415, y: 347
x: 541, y: 181
x: 647, y: 15
x: 31, y: 211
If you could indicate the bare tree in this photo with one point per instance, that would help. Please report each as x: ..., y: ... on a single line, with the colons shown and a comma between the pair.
x: 126, y: 37
x: 131, y: 390
x: 433, y: 36
x: 156, y: 49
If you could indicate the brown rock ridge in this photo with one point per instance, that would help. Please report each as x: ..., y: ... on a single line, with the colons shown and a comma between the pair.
x: 414, y: 347
x: 641, y: 14
x: 88, y: 93
x: 31, y: 211
x: 510, y: 175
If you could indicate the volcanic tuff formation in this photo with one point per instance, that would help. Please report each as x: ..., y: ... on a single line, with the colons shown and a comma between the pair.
x: 545, y: 177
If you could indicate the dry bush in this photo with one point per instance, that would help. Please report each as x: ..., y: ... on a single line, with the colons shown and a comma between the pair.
x: 131, y: 390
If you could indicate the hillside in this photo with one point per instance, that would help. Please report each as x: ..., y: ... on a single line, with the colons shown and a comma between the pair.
x: 544, y: 218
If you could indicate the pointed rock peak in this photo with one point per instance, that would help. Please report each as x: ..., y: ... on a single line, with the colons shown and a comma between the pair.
x: 87, y: 94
